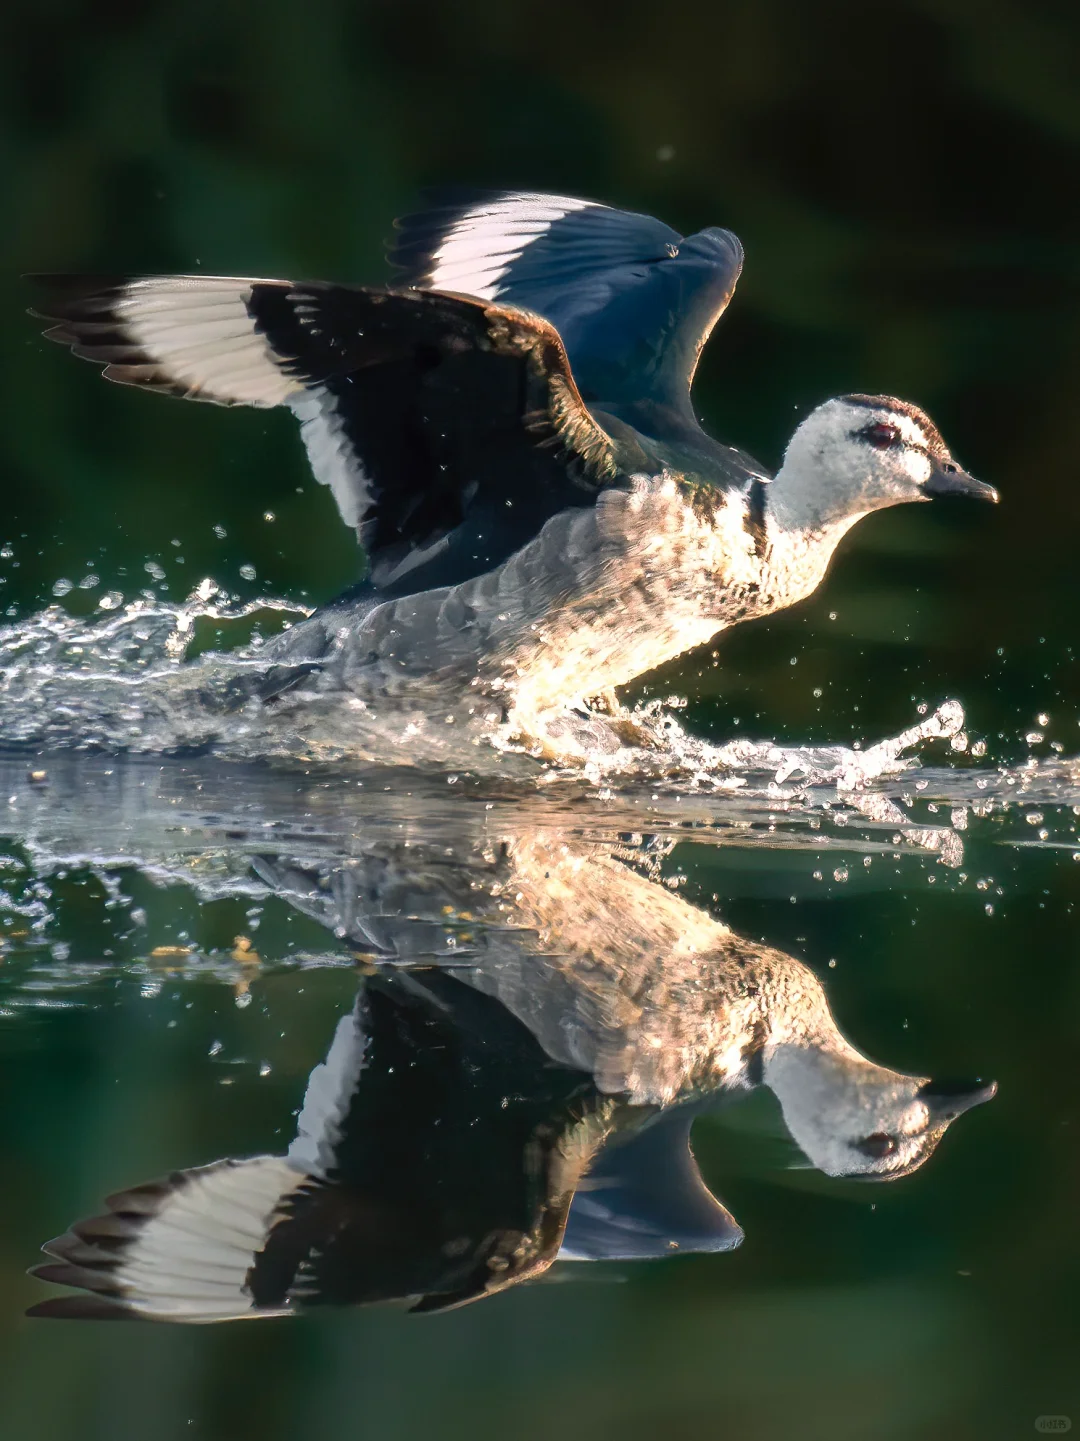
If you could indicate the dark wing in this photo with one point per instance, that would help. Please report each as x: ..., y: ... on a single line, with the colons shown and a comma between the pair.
x: 419, y: 411
x: 632, y: 299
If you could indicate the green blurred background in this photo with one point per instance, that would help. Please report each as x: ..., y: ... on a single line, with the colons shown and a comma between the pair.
x: 904, y: 178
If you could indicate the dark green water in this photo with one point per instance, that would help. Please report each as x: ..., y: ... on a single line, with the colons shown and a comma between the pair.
x: 904, y: 182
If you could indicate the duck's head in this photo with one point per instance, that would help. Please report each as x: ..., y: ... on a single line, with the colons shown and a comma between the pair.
x: 859, y: 453
x: 854, y: 1118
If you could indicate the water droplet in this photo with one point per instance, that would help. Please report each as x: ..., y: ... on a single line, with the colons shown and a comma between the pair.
x: 61, y: 587
x: 979, y: 748
x: 152, y: 568
x: 1034, y: 818
x: 1033, y: 737
x: 220, y: 532
x: 248, y: 572
x: 269, y: 515
x: 840, y: 874
x: 818, y: 692
x: 1042, y: 719
x: 215, y: 1048
x: 110, y: 600
x: 264, y: 1069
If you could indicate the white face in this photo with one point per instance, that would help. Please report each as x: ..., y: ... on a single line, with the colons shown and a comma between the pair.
x: 850, y: 1117
x: 848, y: 458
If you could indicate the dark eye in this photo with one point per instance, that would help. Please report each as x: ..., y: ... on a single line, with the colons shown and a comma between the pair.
x: 877, y: 1146
x: 881, y: 435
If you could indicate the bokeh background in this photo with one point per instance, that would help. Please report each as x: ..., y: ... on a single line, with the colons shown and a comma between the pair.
x: 904, y: 178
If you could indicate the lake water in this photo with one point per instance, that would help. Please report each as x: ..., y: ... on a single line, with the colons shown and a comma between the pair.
x: 520, y: 995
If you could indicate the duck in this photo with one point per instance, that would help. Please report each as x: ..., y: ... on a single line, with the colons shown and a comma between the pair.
x: 539, y: 1021
x: 509, y: 429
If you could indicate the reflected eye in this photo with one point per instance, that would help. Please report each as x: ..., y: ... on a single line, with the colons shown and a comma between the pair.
x: 877, y: 1146
x: 881, y: 435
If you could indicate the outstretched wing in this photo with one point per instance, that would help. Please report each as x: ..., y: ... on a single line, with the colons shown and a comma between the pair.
x: 420, y: 411
x: 632, y: 299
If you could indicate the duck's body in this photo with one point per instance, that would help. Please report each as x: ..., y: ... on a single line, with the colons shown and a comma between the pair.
x: 601, y: 596
x: 544, y: 517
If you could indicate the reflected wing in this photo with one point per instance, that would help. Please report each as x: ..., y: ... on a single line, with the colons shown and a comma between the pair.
x: 186, y: 1248
x: 435, y: 1160
x: 224, y: 1241
x: 633, y: 300
x: 417, y: 410
x: 645, y: 1198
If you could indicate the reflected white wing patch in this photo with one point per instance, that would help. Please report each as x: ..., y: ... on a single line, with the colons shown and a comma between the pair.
x: 181, y: 1250
x: 330, y: 1090
x: 482, y: 244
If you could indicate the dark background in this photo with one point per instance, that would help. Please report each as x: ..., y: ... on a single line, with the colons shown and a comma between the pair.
x: 904, y: 178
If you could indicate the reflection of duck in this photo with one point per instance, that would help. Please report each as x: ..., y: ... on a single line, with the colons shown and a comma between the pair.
x: 544, y: 517
x: 536, y: 1001
x: 437, y: 1156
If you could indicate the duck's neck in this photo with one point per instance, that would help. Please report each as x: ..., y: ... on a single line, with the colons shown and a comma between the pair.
x: 804, y: 498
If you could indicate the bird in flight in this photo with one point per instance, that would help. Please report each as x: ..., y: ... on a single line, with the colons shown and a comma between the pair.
x: 509, y: 429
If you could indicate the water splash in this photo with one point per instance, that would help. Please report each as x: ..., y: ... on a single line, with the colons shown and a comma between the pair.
x: 129, y: 676
x: 140, y: 676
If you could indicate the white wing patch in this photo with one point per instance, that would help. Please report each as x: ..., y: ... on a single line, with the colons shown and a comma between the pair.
x: 333, y: 459
x: 481, y: 246
x: 330, y: 1090
x: 191, y: 1258
x: 197, y: 330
